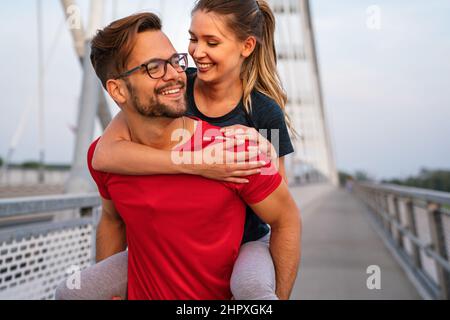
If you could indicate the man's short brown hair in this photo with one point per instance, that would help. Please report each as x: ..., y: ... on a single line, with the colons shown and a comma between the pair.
x: 112, y: 46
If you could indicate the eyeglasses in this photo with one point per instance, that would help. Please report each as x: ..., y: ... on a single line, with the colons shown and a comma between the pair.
x: 157, y: 68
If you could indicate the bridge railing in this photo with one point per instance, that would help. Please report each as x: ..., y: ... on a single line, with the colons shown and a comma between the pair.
x: 416, y: 222
x: 36, y: 257
x: 30, y: 177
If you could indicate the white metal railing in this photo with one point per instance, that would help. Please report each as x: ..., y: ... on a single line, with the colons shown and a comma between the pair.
x: 30, y: 177
x: 417, y: 224
x: 34, y: 258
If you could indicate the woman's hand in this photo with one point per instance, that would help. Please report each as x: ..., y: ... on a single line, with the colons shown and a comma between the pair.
x: 221, y: 162
x: 240, y: 132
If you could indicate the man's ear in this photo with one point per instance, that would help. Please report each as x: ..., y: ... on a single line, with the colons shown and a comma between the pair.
x: 117, y: 91
x: 249, y: 46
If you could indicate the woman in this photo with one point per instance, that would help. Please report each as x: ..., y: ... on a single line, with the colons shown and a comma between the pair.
x: 236, y: 83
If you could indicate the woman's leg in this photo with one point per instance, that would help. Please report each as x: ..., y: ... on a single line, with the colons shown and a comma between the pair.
x: 253, y: 275
x: 102, y: 281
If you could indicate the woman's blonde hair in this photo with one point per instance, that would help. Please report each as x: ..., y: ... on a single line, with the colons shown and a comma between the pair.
x: 259, y: 72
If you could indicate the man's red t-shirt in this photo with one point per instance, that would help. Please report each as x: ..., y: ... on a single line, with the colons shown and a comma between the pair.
x: 183, y: 231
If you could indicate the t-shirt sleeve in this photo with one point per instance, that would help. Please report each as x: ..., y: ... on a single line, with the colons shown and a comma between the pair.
x: 260, y: 186
x: 99, y: 177
x: 271, y: 117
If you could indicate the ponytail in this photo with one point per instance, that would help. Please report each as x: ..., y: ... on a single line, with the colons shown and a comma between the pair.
x: 259, y: 71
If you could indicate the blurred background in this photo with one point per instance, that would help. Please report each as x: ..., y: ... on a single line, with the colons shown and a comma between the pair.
x: 367, y: 83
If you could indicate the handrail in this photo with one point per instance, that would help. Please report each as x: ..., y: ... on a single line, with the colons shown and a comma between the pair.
x: 398, y: 224
x: 24, y: 206
x: 411, y: 192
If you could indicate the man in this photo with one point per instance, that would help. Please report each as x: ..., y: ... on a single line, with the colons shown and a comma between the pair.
x: 183, y: 232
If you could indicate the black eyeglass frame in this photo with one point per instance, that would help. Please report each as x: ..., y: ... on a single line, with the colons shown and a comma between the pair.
x: 182, y: 56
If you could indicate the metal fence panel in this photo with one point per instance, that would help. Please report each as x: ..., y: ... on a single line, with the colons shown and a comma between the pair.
x: 423, y: 233
x: 31, y: 267
x: 446, y: 226
x: 408, y: 245
x: 35, y: 257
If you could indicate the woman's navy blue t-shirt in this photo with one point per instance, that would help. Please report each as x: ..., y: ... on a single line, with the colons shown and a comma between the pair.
x: 266, y: 114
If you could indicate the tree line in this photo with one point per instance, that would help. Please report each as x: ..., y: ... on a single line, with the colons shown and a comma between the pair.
x: 438, y: 179
x: 35, y: 165
x: 426, y: 179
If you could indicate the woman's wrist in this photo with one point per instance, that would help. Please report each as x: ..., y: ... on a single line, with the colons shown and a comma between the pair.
x: 185, y: 164
x: 186, y: 168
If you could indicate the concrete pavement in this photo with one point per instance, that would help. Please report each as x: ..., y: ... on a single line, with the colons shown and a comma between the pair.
x: 339, y: 244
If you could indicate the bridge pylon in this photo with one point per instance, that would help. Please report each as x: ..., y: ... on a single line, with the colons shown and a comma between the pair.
x: 299, y: 70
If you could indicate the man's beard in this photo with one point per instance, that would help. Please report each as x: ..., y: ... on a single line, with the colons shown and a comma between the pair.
x: 154, y: 108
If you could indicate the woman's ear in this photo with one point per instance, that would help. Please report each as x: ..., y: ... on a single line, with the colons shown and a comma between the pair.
x: 249, y: 46
x: 117, y: 91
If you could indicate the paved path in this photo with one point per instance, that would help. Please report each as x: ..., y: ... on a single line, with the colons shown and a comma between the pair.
x: 339, y: 244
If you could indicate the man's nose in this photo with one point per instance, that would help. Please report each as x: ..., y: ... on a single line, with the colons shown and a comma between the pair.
x: 171, y: 73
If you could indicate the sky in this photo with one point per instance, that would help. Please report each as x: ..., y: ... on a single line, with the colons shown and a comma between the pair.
x: 385, y: 85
